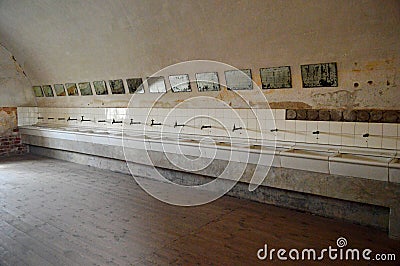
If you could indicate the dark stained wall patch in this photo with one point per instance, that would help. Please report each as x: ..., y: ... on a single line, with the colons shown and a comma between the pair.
x: 319, y: 75
x: 276, y: 77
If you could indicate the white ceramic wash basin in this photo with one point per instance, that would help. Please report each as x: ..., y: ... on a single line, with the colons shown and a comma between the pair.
x: 394, y: 170
x: 309, y: 160
x: 361, y: 165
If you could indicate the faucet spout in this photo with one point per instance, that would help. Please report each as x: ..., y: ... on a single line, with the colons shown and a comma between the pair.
x: 116, y: 122
x: 236, y: 128
x: 154, y: 124
x: 178, y: 125
x: 134, y: 123
x: 84, y: 120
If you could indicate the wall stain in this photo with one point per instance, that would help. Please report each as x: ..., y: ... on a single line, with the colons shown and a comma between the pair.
x: 289, y: 105
x: 18, y: 66
x: 8, y: 120
x: 340, y: 98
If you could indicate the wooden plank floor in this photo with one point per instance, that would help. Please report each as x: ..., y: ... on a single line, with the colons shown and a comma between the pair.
x: 59, y: 213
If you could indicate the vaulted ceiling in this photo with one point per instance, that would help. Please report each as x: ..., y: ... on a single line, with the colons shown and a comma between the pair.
x: 60, y: 41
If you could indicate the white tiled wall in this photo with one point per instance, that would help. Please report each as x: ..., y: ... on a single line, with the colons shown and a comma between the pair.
x: 256, y: 124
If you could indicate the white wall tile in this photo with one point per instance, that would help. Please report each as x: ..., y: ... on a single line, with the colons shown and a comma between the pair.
x: 375, y: 129
x: 360, y: 128
x: 280, y: 114
x: 323, y: 127
x: 390, y: 130
x: 348, y: 127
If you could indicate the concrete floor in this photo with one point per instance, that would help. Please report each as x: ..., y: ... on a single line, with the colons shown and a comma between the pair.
x: 60, y: 213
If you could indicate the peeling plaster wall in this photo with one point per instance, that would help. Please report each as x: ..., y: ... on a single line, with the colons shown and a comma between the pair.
x: 76, y: 41
x: 15, y: 90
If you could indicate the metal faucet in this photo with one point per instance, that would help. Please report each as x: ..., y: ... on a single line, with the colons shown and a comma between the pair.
x: 316, y: 132
x: 134, y: 123
x: 274, y: 130
x: 178, y: 125
x: 71, y: 119
x: 116, y: 122
x: 154, y: 124
x: 84, y: 120
x: 205, y: 127
x: 236, y: 128
x: 366, y: 135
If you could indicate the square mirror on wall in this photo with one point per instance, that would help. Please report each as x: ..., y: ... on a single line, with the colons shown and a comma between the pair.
x: 59, y: 90
x: 48, y: 91
x: 239, y: 79
x: 135, y: 85
x: 85, y: 88
x: 319, y: 75
x: 276, y: 77
x: 117, y: 86
x: 71, y: 88
x: 207, y: 81
x: 180, y: 83
x: 100, y: 87
x: 37, y: 90
x: 156, y: 84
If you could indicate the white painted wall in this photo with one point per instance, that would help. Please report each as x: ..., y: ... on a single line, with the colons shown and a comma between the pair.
x: 15, y: 88
x: 76, y: 41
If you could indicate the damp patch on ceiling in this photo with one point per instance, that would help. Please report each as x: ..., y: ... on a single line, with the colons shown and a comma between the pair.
x: 239, y: 79
x: 135, y: 85
x: 276, y: 77
x: 180, y: 83
x: 156, y: 84
x: 100, y: 87
x: 37, y: 90
x: 319, y: 75
x: 85, y: 88
x: 207, y: 81
x: 59, y: 90
x: 117, y: 86
x: 48, y: 91
x: 71, y: 88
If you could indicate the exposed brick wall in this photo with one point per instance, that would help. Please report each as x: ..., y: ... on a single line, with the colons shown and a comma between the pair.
x: 10, y: 139
x: 12, y: 144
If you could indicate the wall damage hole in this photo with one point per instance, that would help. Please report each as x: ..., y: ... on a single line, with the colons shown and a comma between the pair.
x: 370, y: 82
x: 388, y: 82
x: 356, y: 84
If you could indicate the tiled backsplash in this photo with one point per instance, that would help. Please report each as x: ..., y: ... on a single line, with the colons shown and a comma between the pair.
x: 255, y: 123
